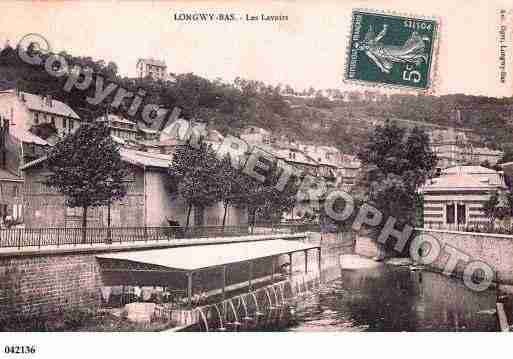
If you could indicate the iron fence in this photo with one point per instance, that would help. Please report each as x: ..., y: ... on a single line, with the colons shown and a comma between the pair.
x: 475, y: 228
x: 44, y: 237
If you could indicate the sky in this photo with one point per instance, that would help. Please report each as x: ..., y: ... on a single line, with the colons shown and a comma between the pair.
x: 307, y: 50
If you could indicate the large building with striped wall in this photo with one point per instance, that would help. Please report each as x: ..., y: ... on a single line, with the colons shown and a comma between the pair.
x: 455, y: 199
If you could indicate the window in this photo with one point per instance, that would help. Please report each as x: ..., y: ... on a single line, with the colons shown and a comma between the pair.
x: 462, y: 214
x: 449, y: 214
x: 64, y: 123
x: 52, y: 120
x: 36, y: 118
x: 199, y: 216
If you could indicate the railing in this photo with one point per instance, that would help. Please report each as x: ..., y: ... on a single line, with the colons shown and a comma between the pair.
x: 476, y: 228
x: 41, y: 237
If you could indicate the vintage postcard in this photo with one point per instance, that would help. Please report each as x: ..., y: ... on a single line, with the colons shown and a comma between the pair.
x: 238, y: 166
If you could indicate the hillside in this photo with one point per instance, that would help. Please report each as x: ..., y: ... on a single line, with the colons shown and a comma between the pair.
x: 328, y: 117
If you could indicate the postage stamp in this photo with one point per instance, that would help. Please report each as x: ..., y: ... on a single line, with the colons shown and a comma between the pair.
x: 391, y: 50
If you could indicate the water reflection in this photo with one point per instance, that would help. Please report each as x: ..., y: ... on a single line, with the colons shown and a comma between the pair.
x: 390, y: 298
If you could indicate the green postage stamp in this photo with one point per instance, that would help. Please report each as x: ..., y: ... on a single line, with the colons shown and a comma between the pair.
x: 391, y: 50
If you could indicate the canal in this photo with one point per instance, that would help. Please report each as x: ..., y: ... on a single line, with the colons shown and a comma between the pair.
x: 394, y: 298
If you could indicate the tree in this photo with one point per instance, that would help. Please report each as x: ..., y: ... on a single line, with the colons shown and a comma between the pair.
x: 491, y: 207
x: 193, y: 175
x: 395, y: 164
x: 86, y: 167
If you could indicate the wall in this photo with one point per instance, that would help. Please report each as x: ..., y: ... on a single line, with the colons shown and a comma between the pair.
x: 494, y: 249
x: 159, y: 203
x: 45, y: 207
x: 435, y: 215
x: 368, y: 247
x: 44, y: 285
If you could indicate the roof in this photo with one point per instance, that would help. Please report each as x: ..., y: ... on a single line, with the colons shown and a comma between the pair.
x: 299, y: 156
x: 146, y: 159
x: 189, y: 258
x: 255, y: 130
x: 461, y: 182
x: 8, y: 176
x: 28, y: 137
x: 134, y: 157
x: 115, y: 118
x: 33, y: 163
x: 153, y: 62
x: 36, y: 103
x: 468, y: 170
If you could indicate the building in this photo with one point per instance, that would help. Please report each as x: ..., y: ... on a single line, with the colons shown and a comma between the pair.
x: 349, y: 169
x: 149, y: 202
x: 458, y: 147
x: 156, y: 69
x: 26, y: 110
x: 11, y: 181
x: 254, y: 135
x: 455, y: 199
x: 120, y: 127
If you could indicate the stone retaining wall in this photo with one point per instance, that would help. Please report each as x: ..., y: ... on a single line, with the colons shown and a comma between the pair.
x: 493, y: 249
x: 46, y: 285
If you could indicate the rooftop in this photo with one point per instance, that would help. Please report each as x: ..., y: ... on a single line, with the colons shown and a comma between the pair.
x: 206, y: 256
x: 466, y: 178
x: 134, y: 157
x: 154, y: 62
x: 8, y: 176
x: 146, y: 159
x: 468, y: 170
x: 115, y: 118
x: 39, y: 103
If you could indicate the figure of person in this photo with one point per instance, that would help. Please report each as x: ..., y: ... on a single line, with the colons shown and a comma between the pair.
x: 384, y: 56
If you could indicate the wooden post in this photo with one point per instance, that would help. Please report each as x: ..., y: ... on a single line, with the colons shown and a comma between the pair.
x: 273, y: 269
x: 290, y: 265
x: 189, y: 289
x: 223, y: 273
x: 319, y: 263
x: 250, y: 275
x: 306, y: 261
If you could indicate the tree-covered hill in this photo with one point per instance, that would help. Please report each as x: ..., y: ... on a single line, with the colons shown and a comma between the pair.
x: 329, y: 117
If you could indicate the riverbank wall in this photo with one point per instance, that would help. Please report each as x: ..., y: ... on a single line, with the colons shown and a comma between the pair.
x: 496, y: 250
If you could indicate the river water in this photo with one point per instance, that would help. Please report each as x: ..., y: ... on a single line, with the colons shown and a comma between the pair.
x: 392, y: 298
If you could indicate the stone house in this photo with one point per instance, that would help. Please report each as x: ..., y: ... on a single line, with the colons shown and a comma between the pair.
x: 455, y: 199
x: 149, y: 201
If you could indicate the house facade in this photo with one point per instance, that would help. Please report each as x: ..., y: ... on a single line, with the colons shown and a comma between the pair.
x: 156, y: 69
x: 455, y: 199
x: 26, y: 110
x: 149, y: 201
x: 120, y: 127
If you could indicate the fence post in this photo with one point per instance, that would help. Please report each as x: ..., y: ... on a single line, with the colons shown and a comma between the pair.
x: 39, y: 230
x: 19, y: 239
